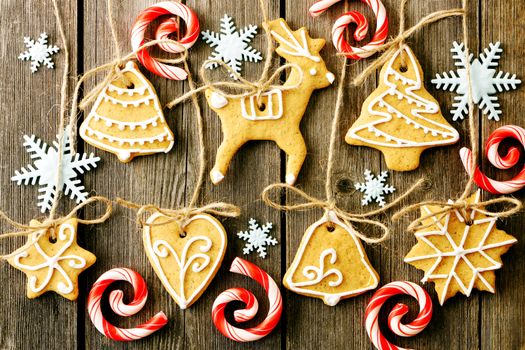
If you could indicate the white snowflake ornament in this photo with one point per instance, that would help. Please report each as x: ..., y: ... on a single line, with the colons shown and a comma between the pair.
x: 485, y: 82
x: 38, y: 52
x: 257, y: 237
x: 232, y: 46
x: 374, y: 188
x: 44, y: 170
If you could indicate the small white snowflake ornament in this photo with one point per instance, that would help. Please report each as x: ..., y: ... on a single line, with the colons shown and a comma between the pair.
x: 45, y: 166
x: 38, y: 52
x: 485, y: 82
x: 257, y: 238
x: 374, y: 188
x: 232, y: 46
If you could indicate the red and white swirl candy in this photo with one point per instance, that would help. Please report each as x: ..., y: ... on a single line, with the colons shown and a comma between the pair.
x: 501, y: 162
x: 246, y: 268
x: 340, y: 25
x: 397, y: 313
x: 150, y: 14
x: 120, y: 308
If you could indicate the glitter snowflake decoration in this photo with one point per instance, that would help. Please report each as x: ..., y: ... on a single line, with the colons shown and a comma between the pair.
x: 44, y: 170
x: 374, y: 188
x: 232, y: 46
x: 485, y: 82
x: 459, y: 253
x: 257, y: 237
x: 38, y: 52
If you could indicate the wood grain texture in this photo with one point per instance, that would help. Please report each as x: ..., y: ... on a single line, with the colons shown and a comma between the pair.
x: 482, y: 321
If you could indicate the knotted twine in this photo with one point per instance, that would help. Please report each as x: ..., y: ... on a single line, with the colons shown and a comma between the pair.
x: 389, y: 49
x: 461, y: 203
x: 51, y: 222
x: 265, y: 83
x: 113, y: 69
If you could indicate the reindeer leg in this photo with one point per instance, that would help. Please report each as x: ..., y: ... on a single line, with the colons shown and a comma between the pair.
x: 295, y: 148
x: 225, y: 153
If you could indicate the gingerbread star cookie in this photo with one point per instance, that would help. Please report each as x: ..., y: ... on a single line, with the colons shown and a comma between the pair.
x: 459, y: 253
x: 400, y: 118
x: 53, y: 265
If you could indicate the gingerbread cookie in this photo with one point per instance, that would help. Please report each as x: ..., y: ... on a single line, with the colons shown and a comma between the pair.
x: 277, y: 114
x: 185, y: 258
x: 400, y: 118
x: 53, y: 266
x: 331, y: 263
x: 127, y: 119
x: 459, y: 253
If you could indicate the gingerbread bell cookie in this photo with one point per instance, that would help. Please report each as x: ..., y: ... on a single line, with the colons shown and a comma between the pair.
x: 459, y: 253
x: 276, y: 114
x: 127, y: 118
x: 185, y: 258
x: 331, y: 263
x: 400, y: 118
x: 53, y: 264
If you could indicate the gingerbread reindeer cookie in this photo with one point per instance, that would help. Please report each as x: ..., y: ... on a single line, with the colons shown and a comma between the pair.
x: 278, y: 113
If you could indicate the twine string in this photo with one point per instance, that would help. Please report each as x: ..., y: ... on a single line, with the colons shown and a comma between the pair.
x: 461, y: 204
x: 42, y: 228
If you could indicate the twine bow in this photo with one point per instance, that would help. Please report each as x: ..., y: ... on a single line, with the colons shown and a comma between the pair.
x: 42, y: 228
x: 310, y: 202
x: 182, y: 215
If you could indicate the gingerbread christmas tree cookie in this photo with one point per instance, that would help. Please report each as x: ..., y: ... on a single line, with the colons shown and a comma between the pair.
x: 127, y: 118
x: 53, y: 265
x: 459, y: 253
x: 331, y: 263
x: 400, y: 118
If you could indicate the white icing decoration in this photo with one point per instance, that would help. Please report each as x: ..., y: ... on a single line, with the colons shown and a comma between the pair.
x: 217, y: 100
x: 95, y: 137
x: 329, y: 298
x: 296, y: 48
x: 271, y: 114
x: 421, y: 105
x: 52, y: 262
x: 459, y: 252
x: 161, y: 248
x: 313, y: 71
x: 316, y: 274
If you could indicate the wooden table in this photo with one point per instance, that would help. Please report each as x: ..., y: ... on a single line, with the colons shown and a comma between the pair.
x: 28, y: 105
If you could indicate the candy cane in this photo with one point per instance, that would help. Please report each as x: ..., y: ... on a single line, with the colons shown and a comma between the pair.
x: 243, y: 267
x: 117, y: 305
x: 340, y: 25
x: 507, y: 161
x: 143, y: 21
x: 397, y: 313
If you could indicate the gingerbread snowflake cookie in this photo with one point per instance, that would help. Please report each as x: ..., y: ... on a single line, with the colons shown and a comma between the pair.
x: 276, y: 114
x: 400, y: 118
x: 53, y: 265
x: 459, y: 253
x: 185, y: 258
x: 331, y: 263
x: 127, y: 118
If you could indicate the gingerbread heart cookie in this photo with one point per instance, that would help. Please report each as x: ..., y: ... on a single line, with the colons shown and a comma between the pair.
x: 185, y: 258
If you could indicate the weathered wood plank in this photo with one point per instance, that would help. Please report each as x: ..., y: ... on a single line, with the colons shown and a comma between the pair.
x: 502, y: 314
x: 158, y: 179
x: 256, y: 165
x: 29, y: 105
